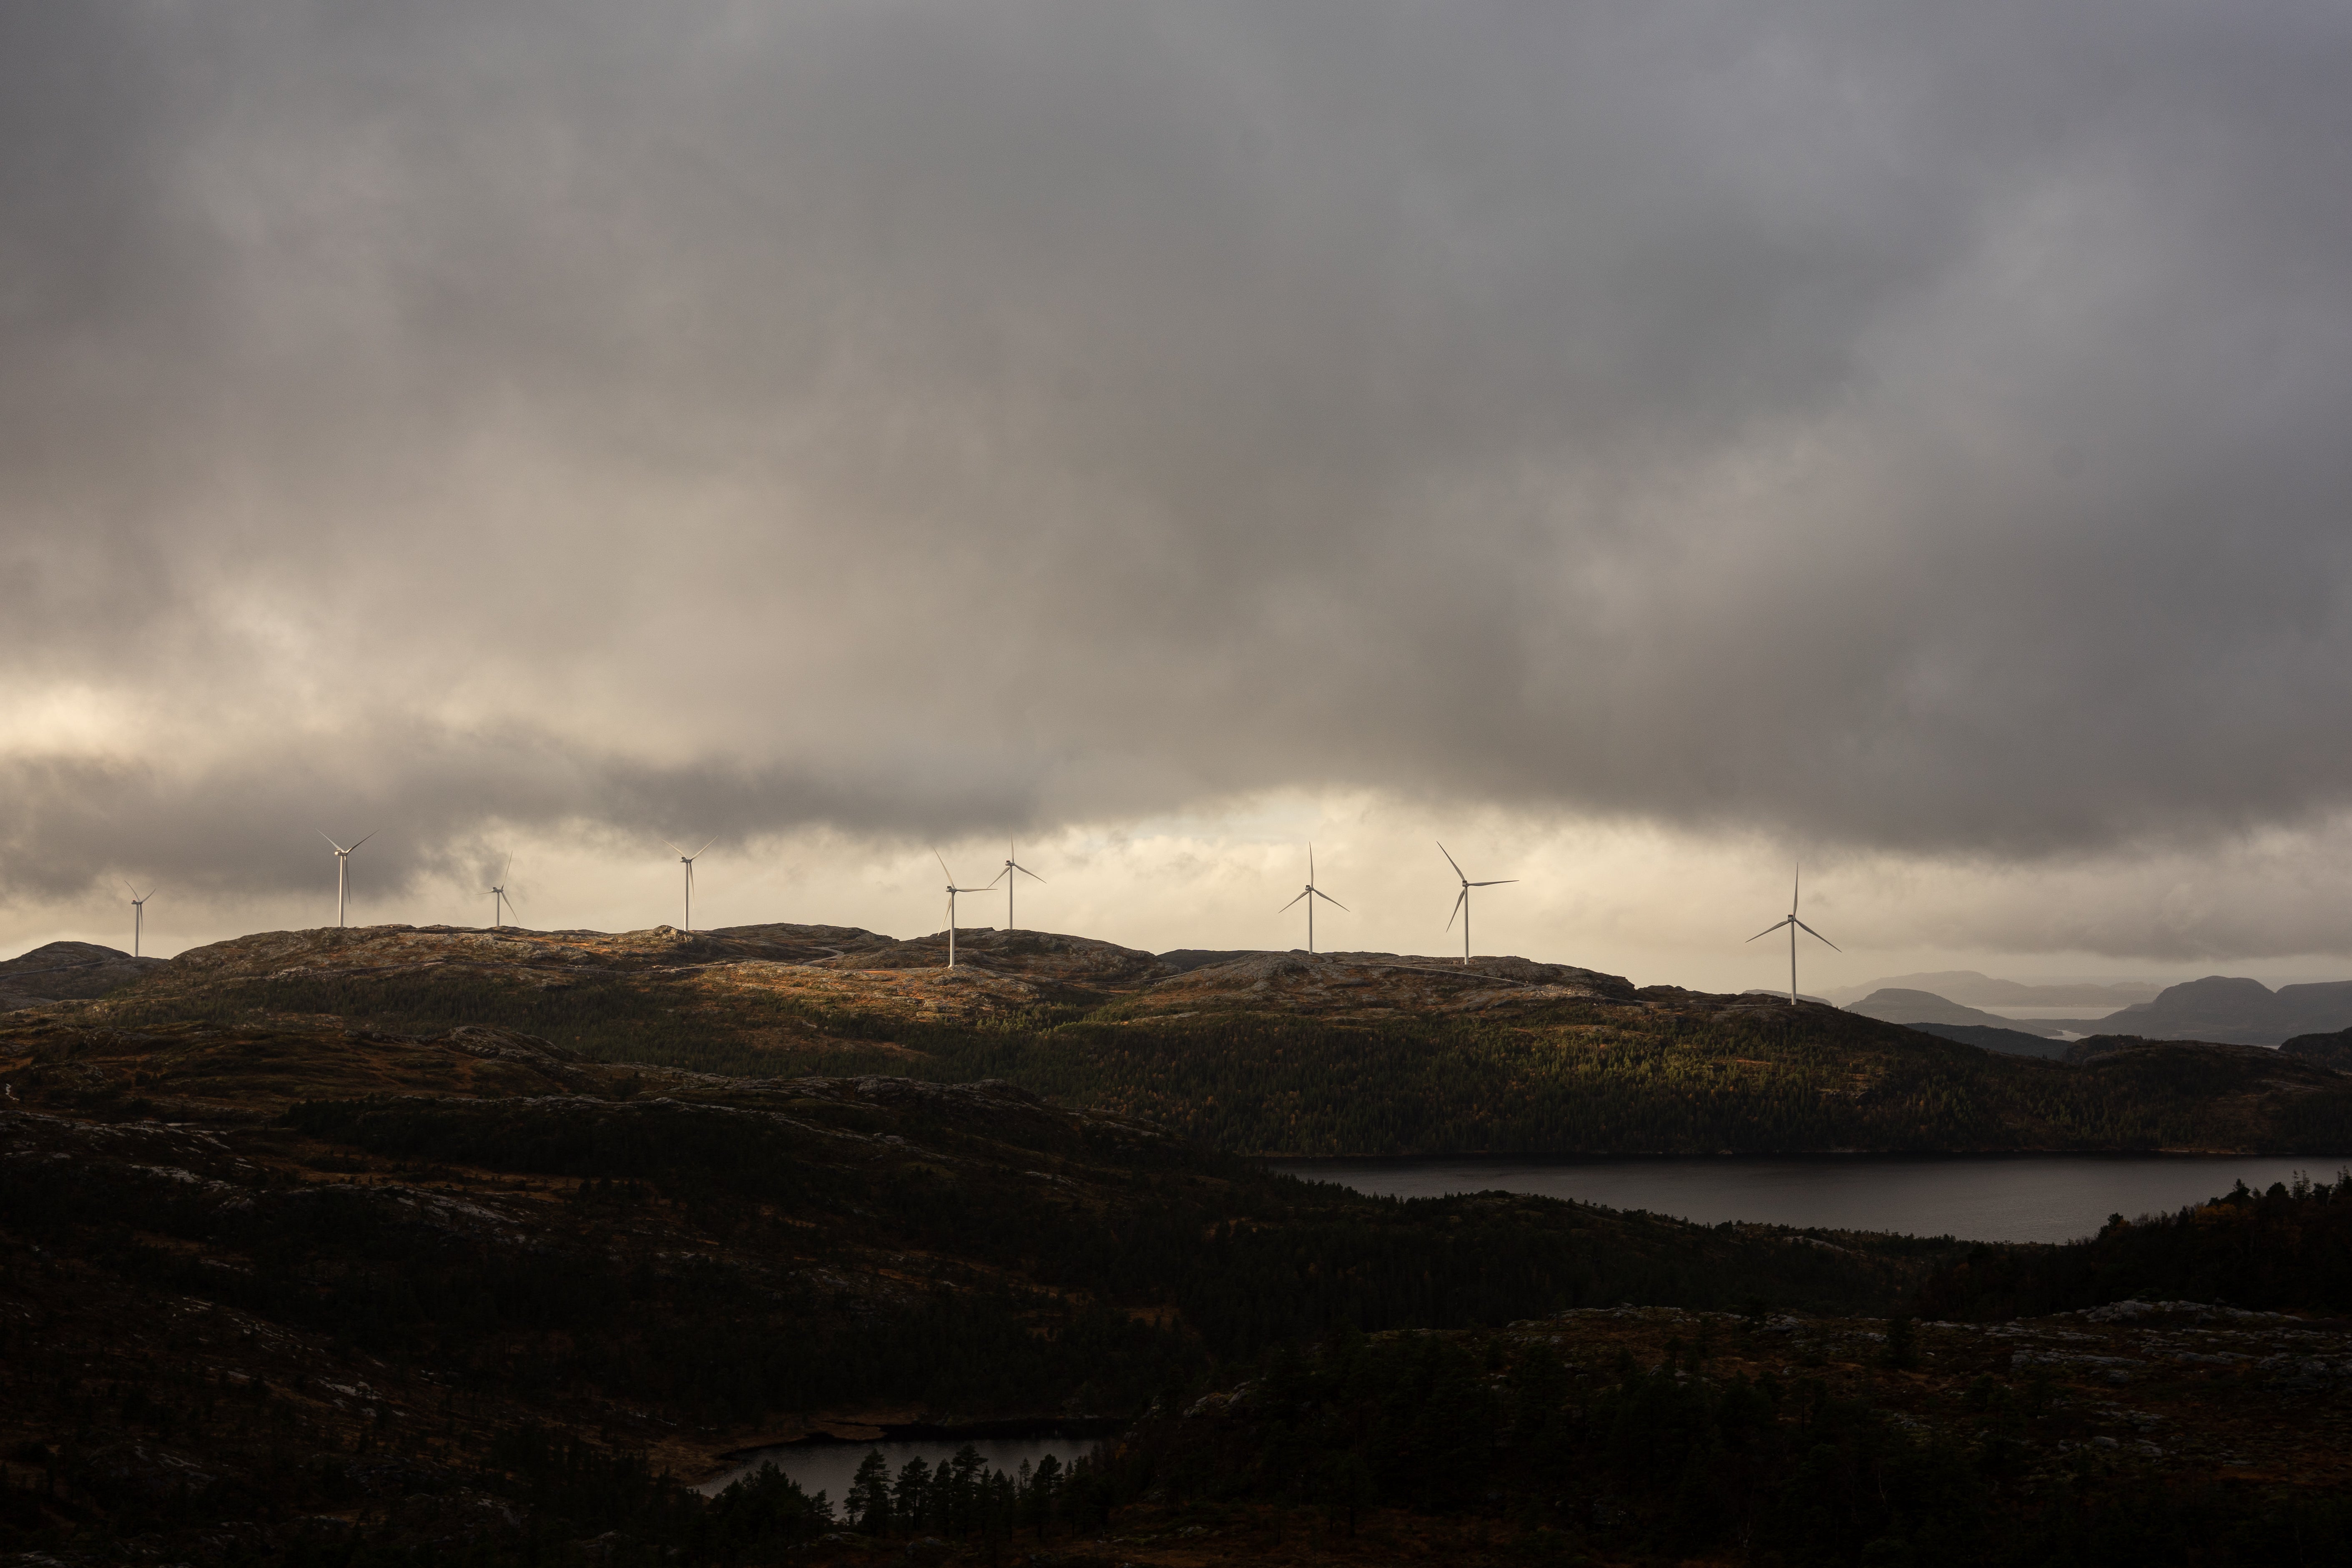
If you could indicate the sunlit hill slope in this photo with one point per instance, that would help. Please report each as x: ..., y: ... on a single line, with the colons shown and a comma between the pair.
x: 1259, y: 1052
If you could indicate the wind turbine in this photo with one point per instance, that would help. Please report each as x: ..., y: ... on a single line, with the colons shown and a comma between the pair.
x: 1462, y: 904
x: 498, y: 891
x: 688, y: 860
x: 343, y: 872
x: 138, y: 913
x: 1011, y: 865
x: 953, y: 891
x: 1310, y: 895
x: 1795, y: 925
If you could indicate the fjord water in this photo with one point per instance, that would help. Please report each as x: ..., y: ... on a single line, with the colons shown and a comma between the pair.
x: 2034, y: 1198
x: 830, y: 1467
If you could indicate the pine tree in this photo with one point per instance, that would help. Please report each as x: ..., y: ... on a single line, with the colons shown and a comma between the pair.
x: 868, y: 1499
x: 911, y: 1502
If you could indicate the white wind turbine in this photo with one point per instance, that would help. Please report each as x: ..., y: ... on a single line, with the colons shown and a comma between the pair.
x: 499, y: 902
x: 1310, y: 895
x: 1014, y: 871
x: 688, y: 861
x: 343, y: 871
x: 138, y: 913
x: 953, y: 891
x: 1462, y: 904
x: 1795, y: 925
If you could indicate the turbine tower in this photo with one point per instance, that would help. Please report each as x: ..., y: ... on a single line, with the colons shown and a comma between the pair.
x: 1795, y: 925
x: 953, y: 891
x: 1462, y: 904
x: 688, y: 861
x: 138, y: 913
x: 343, y: 872
x: 1310, y: 895
x: 498, y: 891
x: 1014, y: 871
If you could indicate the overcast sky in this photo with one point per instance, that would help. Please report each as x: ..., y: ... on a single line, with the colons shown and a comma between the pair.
x: 1649, y: 442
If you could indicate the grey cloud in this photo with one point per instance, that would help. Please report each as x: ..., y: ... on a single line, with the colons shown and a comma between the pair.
x: 1917, y: 429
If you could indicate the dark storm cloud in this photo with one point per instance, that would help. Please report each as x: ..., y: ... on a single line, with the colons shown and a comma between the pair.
x: 1919, y: 428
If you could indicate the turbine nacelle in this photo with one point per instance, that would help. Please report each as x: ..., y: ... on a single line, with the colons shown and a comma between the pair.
x: 1461, y: 901
x: 138, y: 912
x: 1309, y: 894
x: 342, y: 870
x: 1011, y: 874
x: 688, y: 861
x: 1793, y: 925
x: 952, y: 890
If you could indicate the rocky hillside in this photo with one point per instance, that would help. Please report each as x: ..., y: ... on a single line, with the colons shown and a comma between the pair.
x: 68, y: 969
x: 1253, y: 1053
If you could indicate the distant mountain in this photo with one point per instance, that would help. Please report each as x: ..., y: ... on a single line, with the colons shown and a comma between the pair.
x: 1972, y: 989
x: 2007, y: 1042
x: 63, y: 970
x: 1895, y: 1005
x: 2229, y: 1010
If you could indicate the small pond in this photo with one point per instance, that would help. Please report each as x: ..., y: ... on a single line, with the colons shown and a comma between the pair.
x: 828, y: 1465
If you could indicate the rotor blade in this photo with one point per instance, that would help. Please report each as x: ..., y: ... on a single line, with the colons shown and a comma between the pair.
x: 943, y: 864
x: 1768, y: 930
x: 1816, y: 935
x: 1795, y: 887
x: 706, y: 844
x: 1024, y: 870
x: 370, y: 835
x: 508, y: 866
x: 1503, y: 882
x: 339, y: 848
x: 1292, y: 901
x: 675, y: 849
x: 1451, y: 861
x: 999, y: 876
x: 1461, y: 898
x: 1327, y: 897
x: 1310, y: 864
x: 134, y: 892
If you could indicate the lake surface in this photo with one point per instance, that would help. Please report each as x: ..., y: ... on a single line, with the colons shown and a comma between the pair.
x: 2054, y: 1197
x: 830, y: 1467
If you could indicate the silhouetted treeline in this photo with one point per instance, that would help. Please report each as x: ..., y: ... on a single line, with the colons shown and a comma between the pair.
x: 2288, y: 1248
x: 1671, y: 1463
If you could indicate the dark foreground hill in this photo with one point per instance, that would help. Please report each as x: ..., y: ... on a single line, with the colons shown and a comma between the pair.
x: 1264, y: 1052
x: 283, y: 1275
x: 304, y: 1294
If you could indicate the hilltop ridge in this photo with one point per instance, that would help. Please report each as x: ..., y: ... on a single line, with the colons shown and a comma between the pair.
x: 62, y: 970
x: 1260, y: 1053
